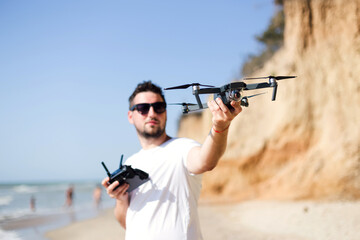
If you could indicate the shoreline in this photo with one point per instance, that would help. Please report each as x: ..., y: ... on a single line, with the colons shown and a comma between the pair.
x: 37, y: 225
x: 252, y: 220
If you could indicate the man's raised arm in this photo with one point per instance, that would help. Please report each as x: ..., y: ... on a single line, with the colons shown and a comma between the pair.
x: 206, y: 157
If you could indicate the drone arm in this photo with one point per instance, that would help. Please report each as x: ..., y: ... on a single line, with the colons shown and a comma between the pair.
x: 196, y: 92
x: 257, y: 86
x: 274, y: 93
x: 192, y: 108
x: 198, y: 100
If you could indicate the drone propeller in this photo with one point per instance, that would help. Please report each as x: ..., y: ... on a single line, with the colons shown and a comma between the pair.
x: 183, y: 104
x: 275, y: 77
x: 187, y: 85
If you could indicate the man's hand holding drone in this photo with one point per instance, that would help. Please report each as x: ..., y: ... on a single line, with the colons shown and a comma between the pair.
x: 222, y: 115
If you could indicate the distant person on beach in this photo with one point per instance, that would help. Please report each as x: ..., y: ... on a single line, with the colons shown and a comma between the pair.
x: 97, y: 196
x: 32, y: 203
x: 166, y: 206
x: 69, y: 196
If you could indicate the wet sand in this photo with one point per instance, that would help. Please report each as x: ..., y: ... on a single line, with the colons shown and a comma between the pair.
x: 31, y: 227
x: 259, y: 220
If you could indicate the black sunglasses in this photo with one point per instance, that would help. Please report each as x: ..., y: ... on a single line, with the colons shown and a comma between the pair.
x: 143, y: 108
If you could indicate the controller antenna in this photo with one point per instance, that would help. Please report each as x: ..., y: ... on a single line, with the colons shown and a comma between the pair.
x: 107, y: 171
x: 121, y: 160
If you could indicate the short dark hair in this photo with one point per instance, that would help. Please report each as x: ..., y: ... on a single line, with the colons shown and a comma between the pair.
x: 146, y: 86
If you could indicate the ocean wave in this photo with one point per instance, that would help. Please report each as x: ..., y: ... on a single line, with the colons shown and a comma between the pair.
x: 5, y: 200
x: 6, y: 215
x: 13, y: 214
x: 9, y: 235
x: 25, y: 189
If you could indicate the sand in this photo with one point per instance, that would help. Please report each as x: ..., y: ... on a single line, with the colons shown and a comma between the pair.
x: 257, y: 220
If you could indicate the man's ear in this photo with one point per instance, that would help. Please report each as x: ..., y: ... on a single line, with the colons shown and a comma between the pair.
x: 130, y: 115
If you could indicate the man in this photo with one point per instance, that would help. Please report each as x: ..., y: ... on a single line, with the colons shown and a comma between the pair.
x: 166, y: 206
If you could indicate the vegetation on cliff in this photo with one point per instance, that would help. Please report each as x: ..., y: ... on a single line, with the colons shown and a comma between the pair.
x: 271, y: 40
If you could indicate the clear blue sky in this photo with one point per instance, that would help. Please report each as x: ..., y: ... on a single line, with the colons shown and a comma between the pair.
x: 67, y: 69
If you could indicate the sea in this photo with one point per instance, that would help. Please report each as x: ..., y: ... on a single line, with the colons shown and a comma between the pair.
x: 21, y: 220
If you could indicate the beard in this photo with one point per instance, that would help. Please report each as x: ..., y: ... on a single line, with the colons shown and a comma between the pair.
x: 151, y: 132
x: 155, y: 133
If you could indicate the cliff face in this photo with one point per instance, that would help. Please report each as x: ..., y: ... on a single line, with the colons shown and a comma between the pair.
x: 306, y: 144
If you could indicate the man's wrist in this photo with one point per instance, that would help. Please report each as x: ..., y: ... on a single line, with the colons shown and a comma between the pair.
x: 220, y: 131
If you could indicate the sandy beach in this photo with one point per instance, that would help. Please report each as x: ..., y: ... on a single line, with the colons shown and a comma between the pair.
x: 256, y: 220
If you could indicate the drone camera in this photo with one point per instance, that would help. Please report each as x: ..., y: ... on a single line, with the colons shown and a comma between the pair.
x: 235, y: 95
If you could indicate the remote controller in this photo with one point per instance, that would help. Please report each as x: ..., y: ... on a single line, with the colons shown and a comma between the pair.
x: 126, y: 174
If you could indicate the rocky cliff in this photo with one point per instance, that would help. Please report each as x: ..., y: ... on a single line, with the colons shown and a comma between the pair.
x: 306, y: 144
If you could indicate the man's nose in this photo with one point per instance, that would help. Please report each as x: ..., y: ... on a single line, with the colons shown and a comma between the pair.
x: 151, y: 111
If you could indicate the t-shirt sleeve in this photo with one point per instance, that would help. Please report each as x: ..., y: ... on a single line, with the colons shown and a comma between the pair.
x: 187, y: 145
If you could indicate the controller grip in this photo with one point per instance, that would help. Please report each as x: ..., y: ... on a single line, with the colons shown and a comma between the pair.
x: 142, y: 175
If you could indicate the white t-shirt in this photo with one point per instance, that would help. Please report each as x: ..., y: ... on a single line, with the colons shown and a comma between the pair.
x: 166, y: 206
